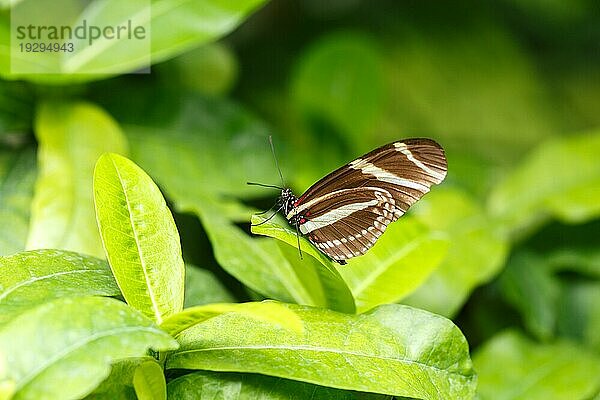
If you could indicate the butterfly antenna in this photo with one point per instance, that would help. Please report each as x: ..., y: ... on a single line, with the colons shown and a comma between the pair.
x: 264, y: 185
x: 298, y: 238
x: 275, y: 158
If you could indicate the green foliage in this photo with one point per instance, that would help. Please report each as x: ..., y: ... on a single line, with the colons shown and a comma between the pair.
x: 374, y: 352
x: 17, y: 176
x: 71, y: 137
x: 81, y: 335
x: 561, y: 370
x: 570, y: 193
x: 34, y: 277
x: 197, y: 22
x: 210, y: 385
x: 193, y: 301
x: 139, y: 237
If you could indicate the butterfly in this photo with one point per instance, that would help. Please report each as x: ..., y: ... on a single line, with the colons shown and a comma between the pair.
x: 345, y: 212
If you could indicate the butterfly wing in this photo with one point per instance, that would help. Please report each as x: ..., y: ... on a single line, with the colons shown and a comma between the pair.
x: 345, y: 212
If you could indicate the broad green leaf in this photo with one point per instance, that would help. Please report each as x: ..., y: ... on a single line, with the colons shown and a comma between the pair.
x: 511, y: 366
x: 392, y: 349
x: 71, y: 137
x: 139, y: 236
x: 37, y: 276
x: 202, y: 287
x: 475, y: 254
x: 340, y: 79
x: 317, y: 273
x: 401, y: 260
x: 206, y: 385
x: 257, y: 263
x: 149, y: 381
x: 560, y: 178
x: 267, y: 311
x: 197, y: 22
x: 80, y: 338
x: 528, y: 285
x: 17, y: 176
x: 119, y: 384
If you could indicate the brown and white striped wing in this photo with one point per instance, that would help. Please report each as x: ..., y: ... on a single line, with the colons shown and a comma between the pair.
x: 345, y: 212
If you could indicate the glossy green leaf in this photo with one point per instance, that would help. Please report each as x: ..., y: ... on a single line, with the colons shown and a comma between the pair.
x: 528, y: 285
x: 203, y: 287
x: 207, y: 385
x: 197, y: 22
x: 139, y: 236
x: 119, y: 384
x: 340, y: 79
x: 476, y: 252
x: 269, y: 312
x: 560, y: 178
x: 511, y: 366
x: 149, y: 381
x: 81, y: 337
x: 317, y: 273
x: 401, y: 260
x: 17, y: 176
x: 71, y: 137
x: 37, y: 276
x: 392, y: 349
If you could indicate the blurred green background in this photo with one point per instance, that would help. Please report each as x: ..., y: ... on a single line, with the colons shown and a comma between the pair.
x: 511, y: 89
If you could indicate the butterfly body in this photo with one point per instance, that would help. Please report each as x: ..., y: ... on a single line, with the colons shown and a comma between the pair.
x: 345, y: 212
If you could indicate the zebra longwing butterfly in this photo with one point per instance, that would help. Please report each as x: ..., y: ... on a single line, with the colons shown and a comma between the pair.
x: 345, y: 212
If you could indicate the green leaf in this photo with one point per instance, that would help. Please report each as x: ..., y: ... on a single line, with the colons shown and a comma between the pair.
x: 529, y: 286
x: 35, y: 277
x: 149, y: 381
x: 392, y: 349
x: 197, y: 22
x: 269, y: 312
x: 81, y: 337
x: 119, y: 384
x: 139, y: 236
x: 401, y: 260
x: 340, y: 79
x: 71, y: 137
x: 17, y: 176
x: 207, y: 385
x: 511, y: 366
x: 257, y: 263
x: 560, y: 178
x: 316, y: 273
x: 203, y: 287
x: 476, y: 252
